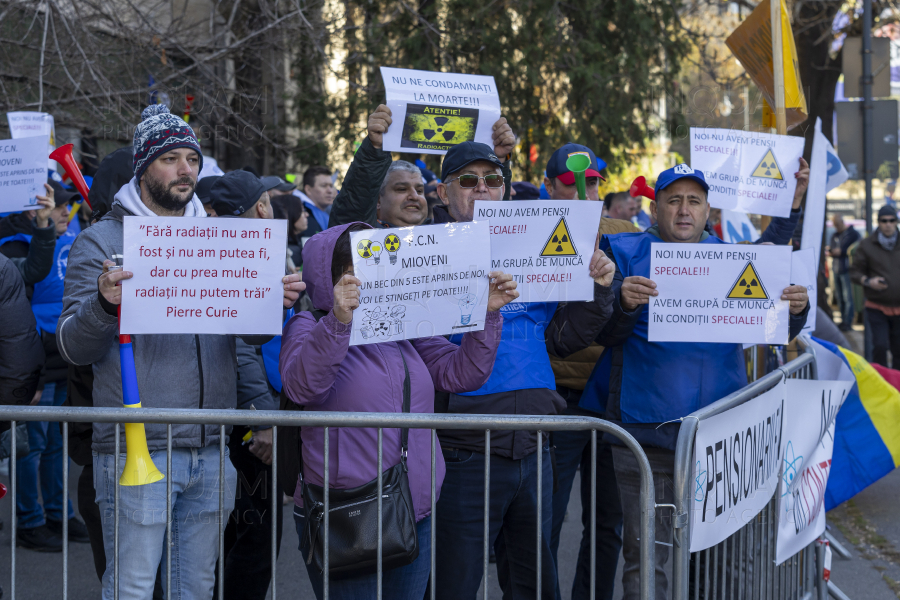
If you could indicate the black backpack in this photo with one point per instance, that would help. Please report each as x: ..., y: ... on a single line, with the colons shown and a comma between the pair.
x: 290, y: 447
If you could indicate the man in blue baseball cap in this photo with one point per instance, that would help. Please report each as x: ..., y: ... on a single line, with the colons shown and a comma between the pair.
x: 560, y: 181
x: 653, y: 385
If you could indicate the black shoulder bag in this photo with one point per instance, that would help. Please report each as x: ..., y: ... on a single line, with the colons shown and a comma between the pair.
x: 353, y: 518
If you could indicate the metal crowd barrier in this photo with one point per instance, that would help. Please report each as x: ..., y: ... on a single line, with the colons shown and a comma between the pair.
x: 742, y: 566
x: 328, y: 420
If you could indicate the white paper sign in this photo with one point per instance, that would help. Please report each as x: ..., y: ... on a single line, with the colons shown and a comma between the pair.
x: 809, y: 415
x: 23, y: 172
x: 546, y: 245
x: 32, y: 124
x: 737, y: 459
x: 803, y: 272
x: 420, y: 281
x: 432, y: 112
x: 748, y: 171
x: 202, y: 275
x: 724, y: 293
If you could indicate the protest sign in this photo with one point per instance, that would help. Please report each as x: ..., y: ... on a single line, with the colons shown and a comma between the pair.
x: 737, y: 457
x: 23, y: 172
x: 803, y: 272
x: 546, y: 245
x: 723, y: 293
x: 201, y: 275
x: 808, y: 435
x: 748, y: 171
x: 432, y: 112
x: 420, y: 281
x: 33, y: 124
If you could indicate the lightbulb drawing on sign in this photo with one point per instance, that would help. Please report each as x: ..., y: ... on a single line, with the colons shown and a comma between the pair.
x: 392, y: 243
x: 368, y: 249
x: 466, y: 306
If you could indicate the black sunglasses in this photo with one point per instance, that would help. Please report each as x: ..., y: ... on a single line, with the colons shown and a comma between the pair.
x: 471, y: 181
x: 887, y: 220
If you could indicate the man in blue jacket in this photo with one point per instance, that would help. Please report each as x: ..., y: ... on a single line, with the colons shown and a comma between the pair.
x: 653, y: 385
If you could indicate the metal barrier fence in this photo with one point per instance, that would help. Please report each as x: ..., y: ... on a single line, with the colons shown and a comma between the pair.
x: 328, y: 420
x: 742, y: 566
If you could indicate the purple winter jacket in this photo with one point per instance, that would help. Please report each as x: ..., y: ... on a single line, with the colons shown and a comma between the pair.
x: 321, y: 371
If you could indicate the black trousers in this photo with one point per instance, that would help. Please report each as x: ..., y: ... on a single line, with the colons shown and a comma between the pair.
x: 885, y: 332
x: 248, y: 534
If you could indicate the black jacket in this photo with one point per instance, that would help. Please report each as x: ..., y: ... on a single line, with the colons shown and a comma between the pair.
x: 21, y: 355
x: 358, y: 198
x: 33, y: 260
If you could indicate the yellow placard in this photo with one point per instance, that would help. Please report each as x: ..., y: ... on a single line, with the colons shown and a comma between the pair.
x: 751, y: 44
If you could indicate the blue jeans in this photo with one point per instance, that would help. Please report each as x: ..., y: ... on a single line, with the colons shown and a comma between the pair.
x: 843, y: 288
x: 196, y: 523
x: 512, y: 514
x: 403, y: 583
x: 573, y: 449
x: 43, y: 467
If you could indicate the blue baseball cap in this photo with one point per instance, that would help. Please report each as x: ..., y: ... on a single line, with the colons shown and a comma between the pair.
x: 557, y: 165
x: 465, y: 154
x: 670, y: 176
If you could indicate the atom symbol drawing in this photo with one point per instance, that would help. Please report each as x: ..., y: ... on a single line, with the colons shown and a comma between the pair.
x: 700, y: 490
x: 792, y: 464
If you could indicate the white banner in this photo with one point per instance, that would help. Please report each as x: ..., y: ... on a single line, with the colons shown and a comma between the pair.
x: 747, y: 171
x: 719, y: 293
x: 737, y: 458
x: 803, y: 272
x: 432, y: 111
x: 33, y: 124
x: 420, y: 281
x: 201, y: 275
x: 809, y: 416
x: 23, y: 172
x: 546, y: 245
x: 826, y: 173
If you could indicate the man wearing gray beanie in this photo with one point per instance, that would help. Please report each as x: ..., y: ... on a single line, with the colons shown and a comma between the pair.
x: 173, y: 371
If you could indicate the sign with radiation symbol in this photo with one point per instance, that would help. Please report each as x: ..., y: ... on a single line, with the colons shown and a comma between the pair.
x: 748, y: 286
x: 768, y: 168
x: 560, y: 241
x: 369, y: 249
x: 438, y: 127
x: 392, y: 244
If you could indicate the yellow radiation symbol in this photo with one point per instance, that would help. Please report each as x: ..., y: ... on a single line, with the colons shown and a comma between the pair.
x: 748, y: 285
x: 364, y: 248
x: 392, y: 244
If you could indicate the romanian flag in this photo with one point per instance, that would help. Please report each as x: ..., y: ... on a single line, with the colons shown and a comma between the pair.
x: 867, y: 430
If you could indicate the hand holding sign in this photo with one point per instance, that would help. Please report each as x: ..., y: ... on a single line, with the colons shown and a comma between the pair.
x: 47, y: 204
x: 798, y: 296
x: 292, y: 288
x: 637, y: 291
x: 108, y: 283
x: 503, y: 137
x: 602, y: 269
x: 802, y: 177
x: 379, y: 121
x: 346, y: 298
x: 503, y: 290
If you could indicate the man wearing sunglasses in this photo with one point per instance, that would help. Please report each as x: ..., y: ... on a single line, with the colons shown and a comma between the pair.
x: 876, y: 267
x: 521, y: 383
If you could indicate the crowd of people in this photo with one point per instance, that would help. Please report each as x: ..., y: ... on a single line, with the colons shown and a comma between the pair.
x: 59, y: 299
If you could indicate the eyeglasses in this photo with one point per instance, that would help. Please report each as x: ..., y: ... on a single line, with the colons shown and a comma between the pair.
x: 471, y: 181
x: 887, y: 220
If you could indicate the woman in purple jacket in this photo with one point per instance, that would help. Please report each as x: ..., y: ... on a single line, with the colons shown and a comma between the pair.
x: 320, y: 370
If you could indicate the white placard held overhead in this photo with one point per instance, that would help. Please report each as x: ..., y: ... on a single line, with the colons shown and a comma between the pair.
x: 546, y: 245
x: 803, y: 272
x: 748, y: 171
x: 432, y: 111
x: 23, y: 172
x: 25, y: 124
x: 200, y: 275
x: 737, y: 227
x: 723, y: 293
x: 737, y: 459
x: 420, y: 281
x: 809, y: 416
